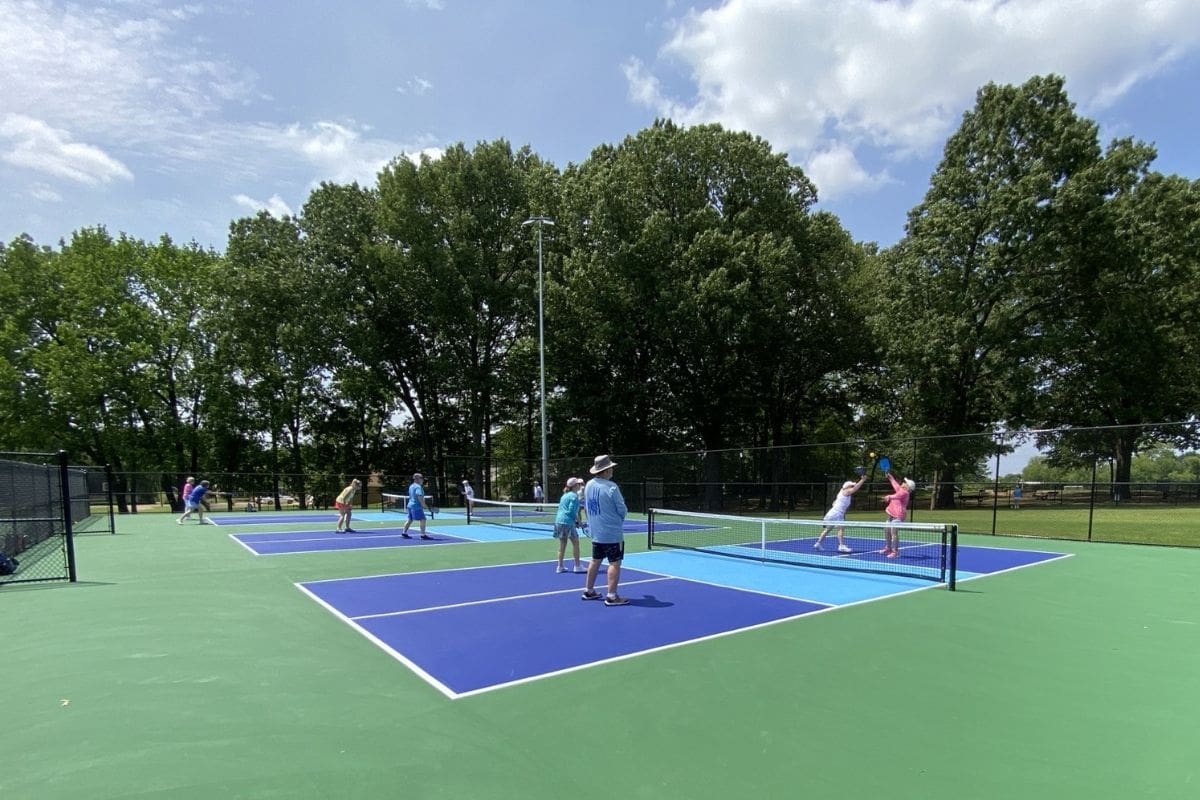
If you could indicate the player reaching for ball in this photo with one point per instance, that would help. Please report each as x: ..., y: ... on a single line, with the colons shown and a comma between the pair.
x: 837, y: 514
x: 897, y: 511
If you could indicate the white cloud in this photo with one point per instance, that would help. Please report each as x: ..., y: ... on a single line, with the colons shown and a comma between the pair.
x: 837, y: 172
x: 122, y: 74
x: 335, y: 151
x: 415, y: 85
x: 898, y: 75
x: 44, y: 193
x: 276, y: 206
x: 37, y: 146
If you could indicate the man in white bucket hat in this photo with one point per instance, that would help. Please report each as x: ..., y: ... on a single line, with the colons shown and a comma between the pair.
x: 606, y: 521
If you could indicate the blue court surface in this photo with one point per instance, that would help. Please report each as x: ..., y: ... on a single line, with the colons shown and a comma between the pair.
x: 474, y: 630
x: 325, y: 539
x: 305, y: 517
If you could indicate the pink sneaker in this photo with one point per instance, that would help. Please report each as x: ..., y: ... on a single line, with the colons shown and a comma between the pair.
x: 893, y: 554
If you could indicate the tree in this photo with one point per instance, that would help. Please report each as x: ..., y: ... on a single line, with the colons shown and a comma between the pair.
x: 961, y: 303
x: 453, y: 288
x: 703, y: 295
x: 1124, y: 347
x: 274, y: 324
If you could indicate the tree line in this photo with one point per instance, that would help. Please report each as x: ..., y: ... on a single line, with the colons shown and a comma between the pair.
x: 694, y: 300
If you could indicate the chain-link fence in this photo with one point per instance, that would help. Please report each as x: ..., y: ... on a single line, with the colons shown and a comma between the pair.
x: 39, y: 497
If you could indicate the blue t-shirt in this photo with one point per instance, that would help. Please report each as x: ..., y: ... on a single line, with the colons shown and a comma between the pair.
x: 606, y: 511
x: 415, y: 493
x: 197, y: 494
x: 568, y: 509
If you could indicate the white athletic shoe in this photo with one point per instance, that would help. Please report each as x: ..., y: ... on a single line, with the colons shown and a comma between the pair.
x: 580, y: 568
x: 560, y: 569
x: 816, y: 545
x: 844, y: 549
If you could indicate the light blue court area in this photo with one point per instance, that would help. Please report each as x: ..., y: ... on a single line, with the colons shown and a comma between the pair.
x: 321, y: 540
x: 835, y: 587
x: 826, y: 586
x: 298, y: 517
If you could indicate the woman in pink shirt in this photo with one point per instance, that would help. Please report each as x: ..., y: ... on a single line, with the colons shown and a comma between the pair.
x: 897, y: 511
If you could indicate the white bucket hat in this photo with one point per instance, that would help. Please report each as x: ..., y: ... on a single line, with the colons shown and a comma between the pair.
x: 602, y: 463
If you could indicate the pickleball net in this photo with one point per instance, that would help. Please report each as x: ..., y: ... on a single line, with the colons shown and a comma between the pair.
x: 526, y: 516
x: 397, y: 503
x: 927, y: 551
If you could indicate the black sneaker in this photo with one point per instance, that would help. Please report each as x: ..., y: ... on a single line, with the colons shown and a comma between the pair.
x: 423, y: 536
x: 590, y: 596
x: 616, y: 601
x: 351, y: 530
x: 406, y: 536
x: 338, y: 530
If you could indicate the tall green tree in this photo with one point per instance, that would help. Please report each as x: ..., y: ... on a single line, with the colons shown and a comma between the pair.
x: 452, y: 289
x: 275, y: 329
x: 701, y: 301
x: 961, y: 303
x: 1124, y: 346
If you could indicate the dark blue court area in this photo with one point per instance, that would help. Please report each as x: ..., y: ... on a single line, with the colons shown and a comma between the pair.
x: 472, y: 630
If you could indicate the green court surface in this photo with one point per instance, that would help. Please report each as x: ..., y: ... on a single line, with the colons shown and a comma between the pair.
x: 181, y: 666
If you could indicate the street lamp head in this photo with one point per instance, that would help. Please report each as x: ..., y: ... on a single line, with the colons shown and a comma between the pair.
x: 540, y: 219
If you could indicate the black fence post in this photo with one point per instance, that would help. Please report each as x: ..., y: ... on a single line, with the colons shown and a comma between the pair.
x: 108, y: 495
x: 64, y: 480
x: 1092, y: 500
x: 996, y: 492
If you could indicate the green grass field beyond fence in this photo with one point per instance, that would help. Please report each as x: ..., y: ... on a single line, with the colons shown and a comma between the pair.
x: 183, y: 668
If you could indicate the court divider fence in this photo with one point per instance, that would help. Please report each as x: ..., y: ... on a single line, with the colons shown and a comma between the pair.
x: 44, y: 502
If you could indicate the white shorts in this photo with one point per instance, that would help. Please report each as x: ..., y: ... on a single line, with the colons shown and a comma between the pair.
x: 834, y: 516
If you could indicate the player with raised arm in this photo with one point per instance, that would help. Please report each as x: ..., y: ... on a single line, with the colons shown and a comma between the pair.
x: 835, y: 518
x: 897, y: 511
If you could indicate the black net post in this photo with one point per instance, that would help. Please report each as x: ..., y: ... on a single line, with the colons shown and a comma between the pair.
x: 108, y: 495
x: 951, y: 579
x: 64, y: 479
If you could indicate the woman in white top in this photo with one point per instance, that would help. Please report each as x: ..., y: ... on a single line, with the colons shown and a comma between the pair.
x: 837, y: 513
x: 468, y: 494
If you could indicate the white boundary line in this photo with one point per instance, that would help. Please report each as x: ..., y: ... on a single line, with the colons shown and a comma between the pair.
x: 1057, y: 557
x: 253, y: 552
x: 485, y: 601
x: 429, y: 571
x: 451, y: 694
x: 422, y: 674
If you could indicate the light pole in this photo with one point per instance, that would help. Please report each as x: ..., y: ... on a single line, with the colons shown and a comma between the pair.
x: 542, y: 220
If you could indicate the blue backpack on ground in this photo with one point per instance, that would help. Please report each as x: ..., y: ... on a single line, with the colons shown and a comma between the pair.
x: 8, y: 564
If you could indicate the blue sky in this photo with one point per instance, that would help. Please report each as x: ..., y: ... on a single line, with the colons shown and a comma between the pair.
x: 153, y: 117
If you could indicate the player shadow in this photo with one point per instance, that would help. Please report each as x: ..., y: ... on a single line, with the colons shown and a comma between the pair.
x: 649, y: 601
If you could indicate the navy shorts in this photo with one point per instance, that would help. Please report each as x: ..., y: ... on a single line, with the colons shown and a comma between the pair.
x: 613, y: 551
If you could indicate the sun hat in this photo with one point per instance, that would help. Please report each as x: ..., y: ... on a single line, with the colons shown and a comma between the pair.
x: 573, y: 482
x: 417, y: 475
x: 602, y: 463
x: 465, y: 483
x: 911, y: 484
x: 848, y: 485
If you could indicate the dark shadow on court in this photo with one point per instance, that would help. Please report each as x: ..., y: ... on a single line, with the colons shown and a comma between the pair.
x: 649, y: 601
